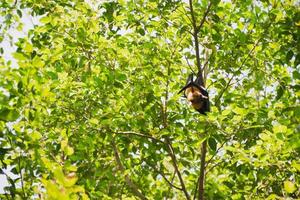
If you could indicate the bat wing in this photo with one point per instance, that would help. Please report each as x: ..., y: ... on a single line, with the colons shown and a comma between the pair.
x: 189, y: 83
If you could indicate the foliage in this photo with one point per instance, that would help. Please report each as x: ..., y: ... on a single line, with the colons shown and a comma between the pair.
x: 90, y: 108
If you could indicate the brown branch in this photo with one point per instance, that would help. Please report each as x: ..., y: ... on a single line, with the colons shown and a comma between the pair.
x: 140, y: 135
x: 202, y: 170
x: 169, y: 182
x: 196, y: 42
x: 192, y: 14
x: 215, y: 165
x: 216, y: 152
x: 183, y: 12
x: 187, y: 61
x: 21, y: 177
x: 174, y: 161
x: 200, y: 75
x: 204, y: 16
x: 128, y: 180
x: 196, y: 189
x: 195, y: 36
x: 165, y: 105
x: 164, y: 176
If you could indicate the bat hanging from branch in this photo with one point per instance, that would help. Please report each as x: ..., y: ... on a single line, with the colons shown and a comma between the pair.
x: 196, y: 94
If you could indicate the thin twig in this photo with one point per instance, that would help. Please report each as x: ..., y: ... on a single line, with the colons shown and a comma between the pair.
x: 128, y: 180
x: 207, y: 162
x: 187, y: 61
x: 196, y: 189
x: 21, y: 176
x: 205, y: 68
x: 204, y: 16
x: 174, y: 161
x: 215, y: 165
x: 196, y: 43
x: 134, y: 134
x: 140, y: 135
x: 186, y: 14
x: 164, y: 176
x: 194, y: 22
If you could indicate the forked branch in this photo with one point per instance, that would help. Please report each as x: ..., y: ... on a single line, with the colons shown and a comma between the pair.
x: 128, y: 180
x: 174, y: 162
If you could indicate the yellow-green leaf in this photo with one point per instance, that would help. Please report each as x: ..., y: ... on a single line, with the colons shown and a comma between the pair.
x: 45, y: 20
x: 94, y: 121
x: 239, y: 111
x: 226, y: 112
x: 69, y: 150
x: 37, y: 62
x: 35, y: 136
x: 279, y: 128
x: 28, y: 48
x: 19, y: 56
x: 70, y: 180
x: 289, y: 186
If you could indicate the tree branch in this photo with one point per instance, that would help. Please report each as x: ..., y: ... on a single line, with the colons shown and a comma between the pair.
x: 215, y: 165
x: 195, y: 36
x: 215, y: 153
x: 202, y: 82
x: 128, y: 180
x: 194, y: 22
x: 174, y: 161
x: 187, y: 61
x: 164, y: 176
x: 202, y: 170
x: 204, y: 16
x: 140, y: 135
x: 21, y: 176
x: 196, y: 42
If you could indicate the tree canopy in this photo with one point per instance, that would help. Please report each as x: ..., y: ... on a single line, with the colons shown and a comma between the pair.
x: 89, y: 104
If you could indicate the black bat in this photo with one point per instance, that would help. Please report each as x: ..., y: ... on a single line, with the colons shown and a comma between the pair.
x: 196, y: 94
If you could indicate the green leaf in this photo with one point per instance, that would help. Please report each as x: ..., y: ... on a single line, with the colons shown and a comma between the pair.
x: 70, y: 180
x: 8, y: 114
x: 272, y: 197
x: 296, y: 75
x: 19, y: 56
x: 296, y: 165
x: 240, y: 111
x: 35, y: 136
x: 59, y: 175
x: 289, y: 55
x: 141, y: 31
x: 37, y: 62
x: 280, y: 91
x: 212, y: 144
x: 94, y: 121
x: 289, y: 186
x: 226, y: 112
x: 121, y: 77
x: 45, y: 19
x: 19, y: 12
x: 69, y: 151
x: 28, y: 48
x: 279, y: 128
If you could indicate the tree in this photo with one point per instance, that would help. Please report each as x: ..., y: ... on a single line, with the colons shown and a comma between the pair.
x: 90, y: 110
